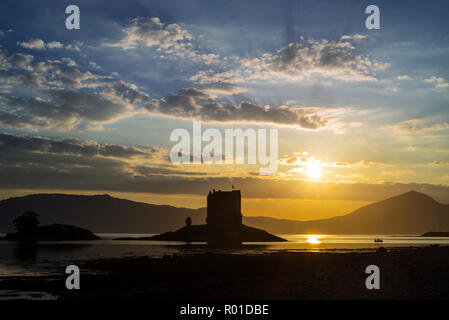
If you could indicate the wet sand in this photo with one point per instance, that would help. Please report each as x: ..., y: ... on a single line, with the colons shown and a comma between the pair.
x: 406, y: 273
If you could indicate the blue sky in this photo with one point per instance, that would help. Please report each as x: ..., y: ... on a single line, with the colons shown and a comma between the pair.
x: 374, y: 101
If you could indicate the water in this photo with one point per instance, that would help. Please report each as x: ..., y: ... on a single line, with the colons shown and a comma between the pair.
x: 18, y: 259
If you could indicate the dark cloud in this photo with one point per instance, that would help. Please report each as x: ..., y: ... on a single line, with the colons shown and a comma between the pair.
x: 127, y: 92
x: 63, y: 109
x: 72, y: 164
x: 22, y: 121
x: 3, y: 55
x: 10, y: 144
x: 57, y: 95
x: 63, y: 97
x: 21, y: 60
x: 196, y: 104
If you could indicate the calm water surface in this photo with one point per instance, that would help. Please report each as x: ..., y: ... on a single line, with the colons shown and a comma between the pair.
x: 47, y: 257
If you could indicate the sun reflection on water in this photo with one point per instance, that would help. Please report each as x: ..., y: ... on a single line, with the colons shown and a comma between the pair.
x: 313, y: 238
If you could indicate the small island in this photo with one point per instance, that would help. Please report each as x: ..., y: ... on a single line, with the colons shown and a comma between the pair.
x: 203, y: 233
x: 28, y: 229
x: 436, y: 234
x: 223, y: 228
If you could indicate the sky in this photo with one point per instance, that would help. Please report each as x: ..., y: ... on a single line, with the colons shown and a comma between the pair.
x: 361, y: 114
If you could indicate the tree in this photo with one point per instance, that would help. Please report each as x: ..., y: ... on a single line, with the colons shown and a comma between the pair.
x: 188, y: 221
x: 27, y: 222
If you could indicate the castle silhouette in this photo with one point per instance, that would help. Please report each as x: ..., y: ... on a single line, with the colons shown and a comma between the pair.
x: 224, y: 217
x: 223, y: 228
x: 224, y: 208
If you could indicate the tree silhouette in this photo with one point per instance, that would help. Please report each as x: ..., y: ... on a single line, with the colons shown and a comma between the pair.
x: 188, y: 221
x: 26, y: 222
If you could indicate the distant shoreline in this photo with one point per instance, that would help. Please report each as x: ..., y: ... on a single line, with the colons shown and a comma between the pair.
x: 436, y: 234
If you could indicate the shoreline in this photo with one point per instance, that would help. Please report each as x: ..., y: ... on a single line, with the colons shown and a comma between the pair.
x: 406, y: 273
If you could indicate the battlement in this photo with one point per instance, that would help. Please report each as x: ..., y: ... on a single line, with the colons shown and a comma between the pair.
x: 224, y: 208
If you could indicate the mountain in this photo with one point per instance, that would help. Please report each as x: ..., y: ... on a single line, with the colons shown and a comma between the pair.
x: 408, y: 213
x: 99, y: 213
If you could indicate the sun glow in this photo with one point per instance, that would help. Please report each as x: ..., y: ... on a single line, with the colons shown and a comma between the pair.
x: 313, y: 168
x: 313, y: 238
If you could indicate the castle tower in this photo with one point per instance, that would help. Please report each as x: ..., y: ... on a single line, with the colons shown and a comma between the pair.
x: 224, y: 208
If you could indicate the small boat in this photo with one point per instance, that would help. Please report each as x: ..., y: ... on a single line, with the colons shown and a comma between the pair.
x: 378, y: 240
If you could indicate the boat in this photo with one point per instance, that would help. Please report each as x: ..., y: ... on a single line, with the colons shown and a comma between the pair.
x: 378, y: 240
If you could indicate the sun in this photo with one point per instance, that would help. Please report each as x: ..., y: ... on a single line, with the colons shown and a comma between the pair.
x: 313, y: 169
x: 313, y: 238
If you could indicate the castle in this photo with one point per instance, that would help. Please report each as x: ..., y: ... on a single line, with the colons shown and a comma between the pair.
x: 224, y: 208
x: 224, y: 228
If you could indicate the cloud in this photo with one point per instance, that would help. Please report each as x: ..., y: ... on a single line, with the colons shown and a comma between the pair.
x: 21, y: 60
x: 73, y: 147
x: 63, y: 97
x: 71, y: 164
x: 216, y: 91
x: 3, y: 55
x: 199, y: 104
x: 94, y: 65
x: 4, y: 33
x: 417, y: 126
x: 55, y: 45
x: 33, y: 44
x: 355, y: 37
x: 70, y: 62
x: 336, y: 60
x: 39, y: 76
x: 60, y: 95
x: 39, y: 44
x: 439, y: 82
x: 64, y: 109
x: 403, y: 77
x: 59, y: 161
x: 151, y: 32
x: 55, y: 94
x: 168, y: 40
x: 75, y: 46
x: 302, y: 159
x: 440, y: 163
x: 66, y: 101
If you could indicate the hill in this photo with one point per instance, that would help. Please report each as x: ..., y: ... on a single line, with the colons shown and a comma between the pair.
x: 99, y: 213
x: 408, y: 213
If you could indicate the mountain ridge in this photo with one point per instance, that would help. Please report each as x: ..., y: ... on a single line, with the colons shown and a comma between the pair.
x: 408, y: 213
x: 108, y: 211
